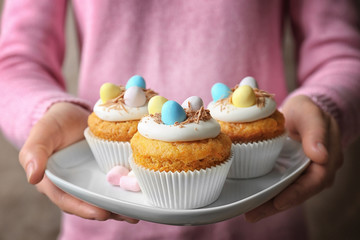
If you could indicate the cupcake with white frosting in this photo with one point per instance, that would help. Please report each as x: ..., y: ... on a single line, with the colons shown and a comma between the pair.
x: 249, y: 116
x: 114, y: 121
x: 180, y: 157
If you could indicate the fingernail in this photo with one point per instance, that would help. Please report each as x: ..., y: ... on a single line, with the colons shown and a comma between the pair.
x: 256, y: 218
x: 323, y: 151
x: 284, y: 206
x: 321, y: 148
x: 132, y: 221
x: 29, y: 170
x: 118, y: 218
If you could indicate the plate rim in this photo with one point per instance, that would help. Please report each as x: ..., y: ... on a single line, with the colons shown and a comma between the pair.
x: 66, y: 185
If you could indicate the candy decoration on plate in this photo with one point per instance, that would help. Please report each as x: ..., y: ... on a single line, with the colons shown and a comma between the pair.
x: 249, y: 81
x: 109, y: 91
x: 172, y: 112
x: 129, y: 183
x: 114, y: 175
x: 220, y: 91
x: 194, y: 102
x: 155, y: 104
x: 122, y: 177
x: 134, y: 97
x: 243, y: 96
x: 136, y: 81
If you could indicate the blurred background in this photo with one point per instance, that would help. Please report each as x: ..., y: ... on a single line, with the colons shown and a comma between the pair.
x: 27, y: 214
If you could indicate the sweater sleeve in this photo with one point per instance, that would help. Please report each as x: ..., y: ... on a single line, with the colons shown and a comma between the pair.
x: 31, y: 54
x: 328, y: 58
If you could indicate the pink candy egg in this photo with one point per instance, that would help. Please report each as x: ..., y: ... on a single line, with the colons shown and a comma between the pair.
x: 134, y: 97
x: 115, y: 174
x: 121, y: 176
x: 129, y: 183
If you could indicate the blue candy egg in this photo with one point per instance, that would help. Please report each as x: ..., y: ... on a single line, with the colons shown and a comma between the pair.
x: 220, y: 91
x: 172, y: 112
x: 137, y: 81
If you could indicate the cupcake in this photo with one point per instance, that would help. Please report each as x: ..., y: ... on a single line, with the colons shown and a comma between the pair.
x: 180, y: 157
x: 249, y: 116
x: 114, y: 121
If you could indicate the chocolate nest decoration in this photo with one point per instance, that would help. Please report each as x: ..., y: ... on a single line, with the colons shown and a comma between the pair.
x: 191, y: 116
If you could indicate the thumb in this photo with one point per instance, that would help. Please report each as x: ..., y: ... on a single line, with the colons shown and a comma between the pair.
x: 48, y: 136
x: 41, y: 143
x: 307, y: 121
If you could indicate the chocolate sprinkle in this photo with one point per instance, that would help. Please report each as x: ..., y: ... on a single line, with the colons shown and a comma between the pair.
x: 191, y: 116
x: 156, y: 117
x: 196, y: 116
x: 261, y: 95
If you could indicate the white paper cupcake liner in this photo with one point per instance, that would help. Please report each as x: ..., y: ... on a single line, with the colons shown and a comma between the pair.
x: 108, y: 154
x: 255, y: 159
x: 182, y: 190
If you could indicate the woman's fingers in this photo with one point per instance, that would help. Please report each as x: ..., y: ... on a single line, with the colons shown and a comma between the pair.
x: 305, y: 121
x: 320, y: 139
x: 69, y: 204
x: 72, y: 205
x: 41, y: 143
x: 308, y: 184
x: 61, y: 126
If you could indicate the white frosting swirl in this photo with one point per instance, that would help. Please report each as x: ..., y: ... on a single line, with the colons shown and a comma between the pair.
x: 230, y: 113
x: 117, y: 115
x: 148, y: 128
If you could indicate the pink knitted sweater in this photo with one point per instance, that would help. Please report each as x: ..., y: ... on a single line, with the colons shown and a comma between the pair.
x: 181, y: 48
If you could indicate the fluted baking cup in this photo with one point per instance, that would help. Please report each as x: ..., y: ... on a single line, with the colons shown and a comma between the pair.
x: 255, y: 159
x: 182, y: 190
x: 108, y: 154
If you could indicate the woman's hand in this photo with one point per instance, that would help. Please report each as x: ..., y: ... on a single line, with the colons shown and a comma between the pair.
x: 62, y: 125
x: 320, y: 137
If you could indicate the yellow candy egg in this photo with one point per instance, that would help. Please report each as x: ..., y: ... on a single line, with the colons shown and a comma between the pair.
x: 243, y: 96
x: 109, y: 91
x: 155, y: 104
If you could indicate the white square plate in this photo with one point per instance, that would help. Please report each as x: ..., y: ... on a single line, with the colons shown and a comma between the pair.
x: 76, y: 172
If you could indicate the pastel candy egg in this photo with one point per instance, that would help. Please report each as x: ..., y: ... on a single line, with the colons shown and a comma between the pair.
x: 130, y: 184
x: 134, y: 97
x: 220, y: 91
x: 136, y: 81
x: 115, y: 174
x: 155, y: 104
x: 109, y: 91
x: 243, y: 96
x: 172, y: 112
x: 249, y: 81
x: 195, y: 103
